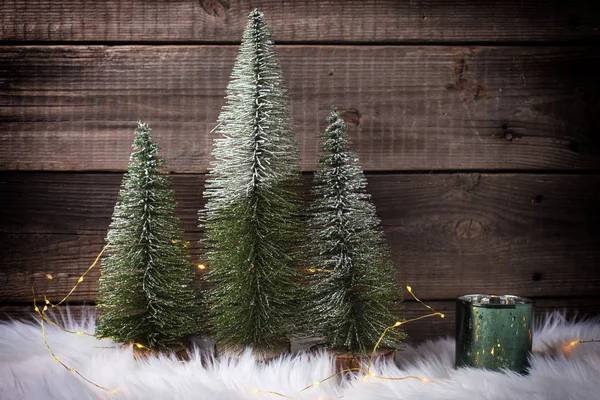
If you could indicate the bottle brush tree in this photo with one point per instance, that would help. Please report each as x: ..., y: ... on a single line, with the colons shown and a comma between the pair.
x: 252, y: 217
x: 147, y: 285
x: 352, y: 279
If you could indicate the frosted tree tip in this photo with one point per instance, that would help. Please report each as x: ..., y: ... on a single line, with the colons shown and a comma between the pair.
x: 142, y: 126
x: 334, y: 116
x: 255, y: 14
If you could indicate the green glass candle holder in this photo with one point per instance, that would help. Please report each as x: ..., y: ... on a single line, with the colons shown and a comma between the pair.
x: 493, y: 331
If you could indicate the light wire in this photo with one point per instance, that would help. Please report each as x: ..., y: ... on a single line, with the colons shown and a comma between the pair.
x: 367, y: 371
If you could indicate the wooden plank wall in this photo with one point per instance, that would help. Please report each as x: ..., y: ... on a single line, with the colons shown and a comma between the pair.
x: 476, y: 122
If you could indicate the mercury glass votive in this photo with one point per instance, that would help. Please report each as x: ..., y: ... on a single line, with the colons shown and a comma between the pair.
x: 493, y: 331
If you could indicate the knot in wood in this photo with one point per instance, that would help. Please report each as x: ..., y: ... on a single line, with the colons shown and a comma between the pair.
x: 469, y: 229
x: 466, y: 182
x: 351, y: 116
x: 216, y: 8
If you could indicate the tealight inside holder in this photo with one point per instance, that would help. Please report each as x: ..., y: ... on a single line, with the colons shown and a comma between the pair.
x: 493, y: 331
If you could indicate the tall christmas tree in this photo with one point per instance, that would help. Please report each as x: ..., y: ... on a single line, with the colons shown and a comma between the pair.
x: 252, y: 213
x: 352, y: 281
x: 147, y: 291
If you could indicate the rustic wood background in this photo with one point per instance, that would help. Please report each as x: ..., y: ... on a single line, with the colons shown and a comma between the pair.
x: 476, y: 121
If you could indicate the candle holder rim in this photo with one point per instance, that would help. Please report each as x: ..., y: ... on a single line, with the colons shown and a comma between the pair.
x: 473, y: 299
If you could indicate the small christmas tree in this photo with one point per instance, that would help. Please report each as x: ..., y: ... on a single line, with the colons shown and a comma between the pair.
x: 252, y: 213
x: 147, y: 290
x: 352, y: 281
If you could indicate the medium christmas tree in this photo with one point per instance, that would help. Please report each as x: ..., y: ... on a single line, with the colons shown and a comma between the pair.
x: 147, y: 291
x: 252, y: 215
x: 352, y: 280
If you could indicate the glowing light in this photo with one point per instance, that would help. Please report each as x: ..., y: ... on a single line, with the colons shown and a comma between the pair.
x: 569, y: 346
x: 418, y: 318
x: 417, y: 299
x: 139, y: 346
x: 79, y: 280
x: 201, y: 266
x: 115, y: 391
x: 397, y: 324
x: 48, y: 276
x: 316, y: 383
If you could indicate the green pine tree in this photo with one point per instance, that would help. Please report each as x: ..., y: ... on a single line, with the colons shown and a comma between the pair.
x: 252, y: 213
x: 352, y: 279
x: 147, y: 290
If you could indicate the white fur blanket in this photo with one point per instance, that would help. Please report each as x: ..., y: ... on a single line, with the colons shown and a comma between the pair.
x: 28, y: 371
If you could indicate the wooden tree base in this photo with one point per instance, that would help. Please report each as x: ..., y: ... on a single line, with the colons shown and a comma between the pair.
x: 353, y: 362
x: 261, y: 355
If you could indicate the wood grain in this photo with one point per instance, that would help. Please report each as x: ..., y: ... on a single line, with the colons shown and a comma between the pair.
x: 411, y: 108
x: 450, y: 234
x: 506, y: 88
x: 418, y: 331
x: 359, y: 21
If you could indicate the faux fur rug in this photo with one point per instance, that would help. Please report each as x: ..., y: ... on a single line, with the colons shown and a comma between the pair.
x: 28, y: 370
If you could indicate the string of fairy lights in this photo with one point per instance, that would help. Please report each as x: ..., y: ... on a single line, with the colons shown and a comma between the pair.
x: 366, y: 371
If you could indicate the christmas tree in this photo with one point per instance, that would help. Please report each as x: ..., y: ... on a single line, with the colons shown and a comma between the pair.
x: 147, y: 291
x: 352, y: 283
x: 252, y: 215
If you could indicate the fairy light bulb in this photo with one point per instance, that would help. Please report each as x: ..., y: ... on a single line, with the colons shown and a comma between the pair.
x: 201, y: 267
